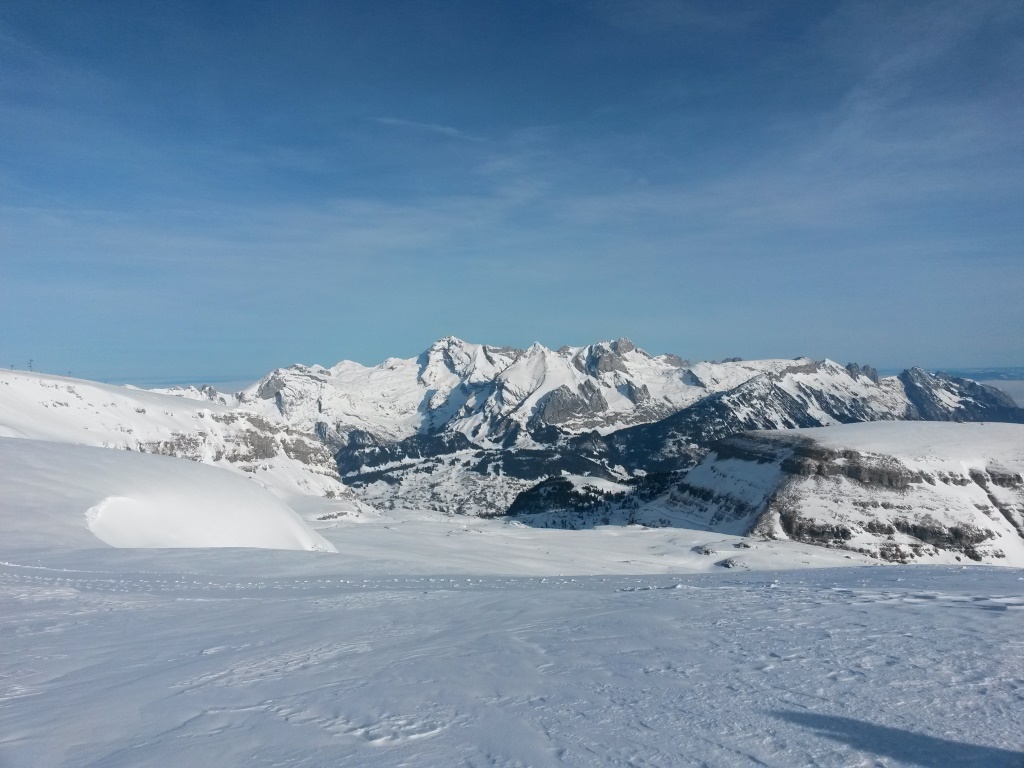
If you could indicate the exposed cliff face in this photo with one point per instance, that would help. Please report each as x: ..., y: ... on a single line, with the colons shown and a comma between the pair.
x: 563, y: 405
x: 867, y: 371
x: 938, y: 492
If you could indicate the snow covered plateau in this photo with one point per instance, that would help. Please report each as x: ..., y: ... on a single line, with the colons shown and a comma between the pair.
x: 192, y: 577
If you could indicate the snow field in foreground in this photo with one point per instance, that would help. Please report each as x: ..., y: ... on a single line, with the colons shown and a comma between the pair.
x: 129, y: 658
x: 61, y: 495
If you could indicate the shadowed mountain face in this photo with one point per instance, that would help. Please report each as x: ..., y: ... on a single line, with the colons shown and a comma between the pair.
x: 467, y: 428
x: 977, y: 402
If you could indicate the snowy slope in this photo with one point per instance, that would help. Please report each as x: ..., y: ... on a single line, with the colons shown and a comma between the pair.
x: 53, y: 408
x: 922, y: 491
x: 57, y: 495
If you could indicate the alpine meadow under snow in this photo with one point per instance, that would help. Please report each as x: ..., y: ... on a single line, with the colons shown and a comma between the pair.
x: 605, y: 569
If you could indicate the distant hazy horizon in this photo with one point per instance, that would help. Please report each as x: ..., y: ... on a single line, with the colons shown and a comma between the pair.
x: 233, y: 382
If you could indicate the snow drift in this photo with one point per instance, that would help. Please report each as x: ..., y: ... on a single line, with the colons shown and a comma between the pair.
x: 59, y: 495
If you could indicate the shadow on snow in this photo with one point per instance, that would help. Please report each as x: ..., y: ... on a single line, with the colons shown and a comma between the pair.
x: 906, y: 746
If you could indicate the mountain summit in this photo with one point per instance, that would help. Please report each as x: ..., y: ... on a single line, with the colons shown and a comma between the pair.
x: 485, y: 392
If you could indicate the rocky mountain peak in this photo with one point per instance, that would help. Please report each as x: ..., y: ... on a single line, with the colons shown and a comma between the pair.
x: 448, y: 344
x: 605, y: 357
x: 450, y: 361
x: 856, y: 371
x: 623, y: 345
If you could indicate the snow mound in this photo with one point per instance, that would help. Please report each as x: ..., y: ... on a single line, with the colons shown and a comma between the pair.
x: 54, y: 494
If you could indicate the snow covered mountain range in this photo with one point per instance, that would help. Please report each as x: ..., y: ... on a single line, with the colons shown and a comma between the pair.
x: 494, y: 396
x: 401, y: 649
x: 568, y: 437
x: 432, y: 640
x: 467, y: 427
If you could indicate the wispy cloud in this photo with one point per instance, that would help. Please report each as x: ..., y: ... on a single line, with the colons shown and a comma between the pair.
x: 442, y: 130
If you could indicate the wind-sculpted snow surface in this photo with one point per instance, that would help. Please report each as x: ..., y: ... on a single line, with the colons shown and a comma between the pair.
x: 903, y: 491
x: 276, y: 659
x: 64, y: 496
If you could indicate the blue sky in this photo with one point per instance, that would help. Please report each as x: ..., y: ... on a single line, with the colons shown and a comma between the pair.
x: 208, y: 190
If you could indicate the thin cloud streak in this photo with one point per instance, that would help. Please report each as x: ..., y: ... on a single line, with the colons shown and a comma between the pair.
x: 443, y: 130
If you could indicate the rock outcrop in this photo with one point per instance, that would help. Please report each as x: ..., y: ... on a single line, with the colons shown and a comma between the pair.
x: 901, y: 492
